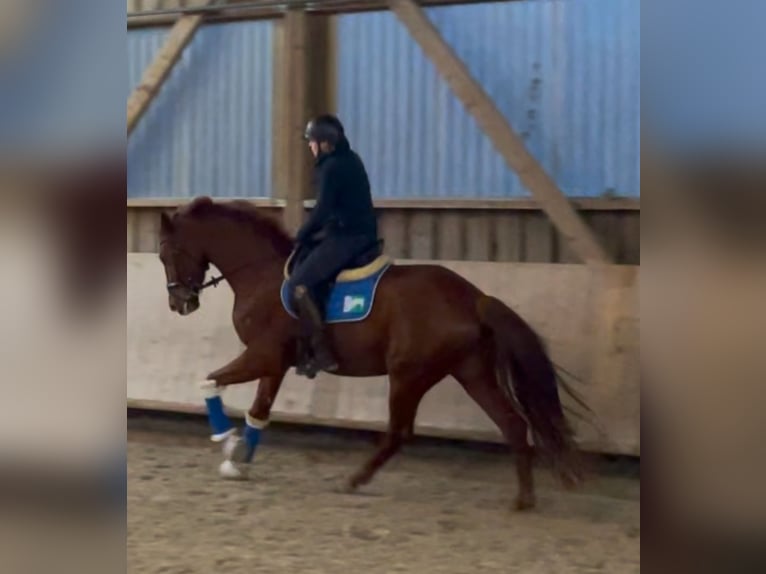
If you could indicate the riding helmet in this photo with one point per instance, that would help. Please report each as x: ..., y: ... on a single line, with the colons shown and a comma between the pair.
x: 325, y: 128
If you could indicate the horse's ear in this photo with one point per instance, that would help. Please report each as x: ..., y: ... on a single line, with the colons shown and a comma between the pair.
x: 166, y: 223
x: 199, y: 203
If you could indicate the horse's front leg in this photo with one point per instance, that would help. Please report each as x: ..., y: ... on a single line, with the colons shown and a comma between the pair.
x: 242, y: 450
x: 252, y: 364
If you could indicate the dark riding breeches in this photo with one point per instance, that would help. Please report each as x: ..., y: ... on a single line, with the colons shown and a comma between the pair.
x: 324, y: 263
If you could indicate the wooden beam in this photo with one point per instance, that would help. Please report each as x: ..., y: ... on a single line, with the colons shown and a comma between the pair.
x: 321, y: 64
x: 279, y: 91
x: 476, y: 101
x: 293, y: 176
x: 300, y: 71
x: 520, y: 204
x: 158, y: 71
x: 247, y: 10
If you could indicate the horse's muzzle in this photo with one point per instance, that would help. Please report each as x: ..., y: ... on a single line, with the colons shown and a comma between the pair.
x: 181, y: 299
x: 185, y: 307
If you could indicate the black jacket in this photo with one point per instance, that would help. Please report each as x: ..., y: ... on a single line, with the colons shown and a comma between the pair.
x: 344, y: 202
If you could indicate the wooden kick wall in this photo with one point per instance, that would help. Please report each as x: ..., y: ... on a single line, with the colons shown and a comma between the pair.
x: 481, y: 232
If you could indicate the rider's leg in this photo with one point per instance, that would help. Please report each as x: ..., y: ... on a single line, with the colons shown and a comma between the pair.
x: 318, y: 268
x: 308, y: 285
x: 313, y: 325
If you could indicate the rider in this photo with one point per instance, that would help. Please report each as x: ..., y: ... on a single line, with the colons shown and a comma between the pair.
x: 342, y: 226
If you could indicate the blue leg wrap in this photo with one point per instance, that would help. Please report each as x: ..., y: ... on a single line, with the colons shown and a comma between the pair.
x: 219, y: 422
x: 251, y: 436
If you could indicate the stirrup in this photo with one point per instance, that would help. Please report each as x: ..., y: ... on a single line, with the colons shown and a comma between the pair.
x: 324, y: 359
x: 305, y: 364
x: 311, y: 367
x: 307, y: 369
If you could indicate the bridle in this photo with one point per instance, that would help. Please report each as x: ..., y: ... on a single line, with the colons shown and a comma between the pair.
x: 197, y: 289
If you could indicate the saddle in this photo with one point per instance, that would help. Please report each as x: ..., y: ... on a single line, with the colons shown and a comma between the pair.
x: 361, y: 266
x: 350, y: 298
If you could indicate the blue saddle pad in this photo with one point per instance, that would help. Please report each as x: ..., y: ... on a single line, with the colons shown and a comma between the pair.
x: 349, y: 301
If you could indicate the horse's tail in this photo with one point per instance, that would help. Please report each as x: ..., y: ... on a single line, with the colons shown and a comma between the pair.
x: 527, y: 375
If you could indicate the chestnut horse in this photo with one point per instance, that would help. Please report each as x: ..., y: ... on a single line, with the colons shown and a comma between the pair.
x: 427, y: 322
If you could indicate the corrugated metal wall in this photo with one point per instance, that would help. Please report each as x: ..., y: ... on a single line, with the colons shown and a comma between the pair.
x: 209, y: 130
x: 565, y: 73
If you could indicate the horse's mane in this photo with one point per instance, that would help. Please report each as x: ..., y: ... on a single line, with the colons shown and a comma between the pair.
x: 245, y: 212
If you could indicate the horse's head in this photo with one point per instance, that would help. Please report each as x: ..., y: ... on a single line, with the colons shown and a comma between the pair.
x: 185, y: 264
x: 231, y: 235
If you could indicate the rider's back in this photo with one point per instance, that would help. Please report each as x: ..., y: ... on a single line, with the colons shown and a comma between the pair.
x: 342, y: 175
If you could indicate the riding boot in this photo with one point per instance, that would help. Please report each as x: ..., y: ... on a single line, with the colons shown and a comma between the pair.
x: 313, y: 327
x: 304, y: 358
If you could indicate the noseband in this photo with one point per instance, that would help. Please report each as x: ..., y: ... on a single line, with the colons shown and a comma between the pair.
x: 196, y: 289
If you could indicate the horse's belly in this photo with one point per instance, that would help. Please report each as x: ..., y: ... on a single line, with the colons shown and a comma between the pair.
x: 361, y: 350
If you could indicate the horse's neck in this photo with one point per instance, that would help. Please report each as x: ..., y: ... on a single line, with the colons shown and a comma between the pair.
x: 246, y: 264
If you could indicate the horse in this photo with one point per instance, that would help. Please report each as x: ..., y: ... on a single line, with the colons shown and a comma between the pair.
x: 426, y: 323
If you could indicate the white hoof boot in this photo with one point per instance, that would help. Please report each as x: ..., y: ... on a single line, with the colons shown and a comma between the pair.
x: 229, y: 471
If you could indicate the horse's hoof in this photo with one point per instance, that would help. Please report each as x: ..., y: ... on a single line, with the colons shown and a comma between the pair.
x: 524, y: 503
x: 230, y: 471
x: 351, y: 486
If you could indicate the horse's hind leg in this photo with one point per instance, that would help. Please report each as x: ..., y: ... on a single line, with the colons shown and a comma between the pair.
x: 404, y: 397
x: 478, y: 378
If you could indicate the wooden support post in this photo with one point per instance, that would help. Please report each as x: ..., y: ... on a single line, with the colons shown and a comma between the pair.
x: 158, y: 71
x: 279, y: 160
x: 573, y: 229
x: 322, y: 64
x: 302, y: 89
x: 292, y: 175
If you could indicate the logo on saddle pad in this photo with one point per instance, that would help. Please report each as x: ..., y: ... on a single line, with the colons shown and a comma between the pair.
x: 351, y: 297
x: 353, y: 304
